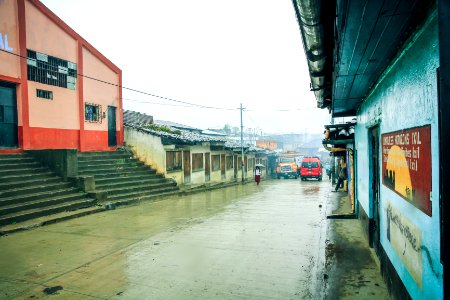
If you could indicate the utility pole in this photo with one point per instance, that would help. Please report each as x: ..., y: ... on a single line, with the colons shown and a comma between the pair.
x: 242, y: 146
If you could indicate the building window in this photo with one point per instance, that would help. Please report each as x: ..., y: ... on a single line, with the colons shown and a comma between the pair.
x: 44, y: 94
x: 92, y: 112
x: 197, y: 162
x: 173, y: 160
x: 229, y: 161
x: 51, y: 70
x: 215, y: 162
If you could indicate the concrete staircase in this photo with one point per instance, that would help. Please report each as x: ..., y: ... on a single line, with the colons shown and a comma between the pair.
x: 124, y: 179
x: 28, y: 191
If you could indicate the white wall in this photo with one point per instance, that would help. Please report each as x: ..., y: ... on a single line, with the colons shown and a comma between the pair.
x: 147, y: 148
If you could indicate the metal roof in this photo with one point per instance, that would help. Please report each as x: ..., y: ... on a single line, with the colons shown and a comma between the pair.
x: 349, y: 43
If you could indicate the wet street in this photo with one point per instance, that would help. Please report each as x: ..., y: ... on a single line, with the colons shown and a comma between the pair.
x: 240, y: 242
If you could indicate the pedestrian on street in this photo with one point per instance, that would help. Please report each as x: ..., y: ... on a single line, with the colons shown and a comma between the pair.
x: 257, y: 175
x: 342, y: 177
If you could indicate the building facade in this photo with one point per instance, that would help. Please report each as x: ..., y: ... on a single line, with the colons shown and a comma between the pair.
x: 383, y: 64
x: 57, y: 91
x: 403, y: 207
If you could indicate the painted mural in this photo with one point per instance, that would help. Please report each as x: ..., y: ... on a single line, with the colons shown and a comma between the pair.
x: 407, y: 165
x: 405, y: 238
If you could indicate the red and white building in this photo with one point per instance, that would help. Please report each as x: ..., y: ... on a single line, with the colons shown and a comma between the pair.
x: 56, y: 90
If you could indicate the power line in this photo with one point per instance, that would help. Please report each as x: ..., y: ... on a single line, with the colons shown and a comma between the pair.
x: 124, y: 87
x: 187, y: 104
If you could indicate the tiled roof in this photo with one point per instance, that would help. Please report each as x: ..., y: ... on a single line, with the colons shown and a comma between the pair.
x: 134, y: 117
x: 176, y: 125
x: 184, y: 136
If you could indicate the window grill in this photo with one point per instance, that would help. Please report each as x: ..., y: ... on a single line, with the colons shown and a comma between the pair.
x: 51, y: 70
x: 44, y: 94
x: 93, y: 113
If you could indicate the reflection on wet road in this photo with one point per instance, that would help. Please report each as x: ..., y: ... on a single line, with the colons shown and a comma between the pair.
x: 248, y: 242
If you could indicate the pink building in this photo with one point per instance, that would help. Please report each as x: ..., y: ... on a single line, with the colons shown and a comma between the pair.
x: 53, y: 93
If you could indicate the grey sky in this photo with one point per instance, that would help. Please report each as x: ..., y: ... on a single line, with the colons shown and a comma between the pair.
x: 208, y: 52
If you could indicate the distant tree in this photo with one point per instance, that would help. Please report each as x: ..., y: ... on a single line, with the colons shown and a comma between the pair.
x: 236, y: 131
x: 227, y: 129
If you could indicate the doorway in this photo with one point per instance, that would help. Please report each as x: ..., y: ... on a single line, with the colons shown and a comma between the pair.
x: 207, y: 166
x: 375, y: 195
x: 8, y: 116
x: 236, y: 168
x: 112, y: 139
x: 222, y: 166
x: 187, y: 166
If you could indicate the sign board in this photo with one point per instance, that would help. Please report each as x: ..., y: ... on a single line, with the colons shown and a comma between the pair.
x: 407, y: 165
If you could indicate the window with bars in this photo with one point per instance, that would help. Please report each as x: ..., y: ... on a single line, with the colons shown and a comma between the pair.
x: 173, y: 160
x: 197, y: 162
x: 93, y: 112
x: 51, y: 70
x: 44, y: 94
x: 215, y: 162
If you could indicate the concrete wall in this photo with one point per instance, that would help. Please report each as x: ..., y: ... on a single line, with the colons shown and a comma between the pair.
x: 99, y: 93
x: 405, y: 97
x: 9, y: 64
x: 147, y: 148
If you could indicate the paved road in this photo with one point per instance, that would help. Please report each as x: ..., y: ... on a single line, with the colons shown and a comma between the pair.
x: 242, y: 242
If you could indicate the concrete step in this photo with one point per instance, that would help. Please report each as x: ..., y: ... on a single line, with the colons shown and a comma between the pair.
x: 116, y: 169
x: 102, y: 161
x: 8, y: 165
x: 138, y: 195
x: 144, y: 188
x: 22, y: 170
x: 110, y: 166
x: 37, y: 196
x: 41, y: 203
x: 133, y: 200
x: 123, y: 173
x: 125, y: 182
x: 16, y: 157
x: 29, y: 181
x: 87, y: 156
x: 24, y: 177
x: 39, y: 212
x: 25, y: 189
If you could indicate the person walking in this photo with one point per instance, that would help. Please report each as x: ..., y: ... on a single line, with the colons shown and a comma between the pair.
x: 342, y: 177
x: 257, y: 175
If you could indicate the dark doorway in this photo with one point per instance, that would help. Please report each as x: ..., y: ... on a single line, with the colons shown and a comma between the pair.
x: 236, y: 167
x: 187, y: 166
x: 8, y: 116
x: 375, y: 195
x: 207, y: 166
x: 222, y: 166
x: 112, y: 139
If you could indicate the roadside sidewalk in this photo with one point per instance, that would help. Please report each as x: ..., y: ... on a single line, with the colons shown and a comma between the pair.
x: 351, y: 267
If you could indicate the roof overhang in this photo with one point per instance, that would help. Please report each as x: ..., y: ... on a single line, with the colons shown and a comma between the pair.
x: 349, y: 43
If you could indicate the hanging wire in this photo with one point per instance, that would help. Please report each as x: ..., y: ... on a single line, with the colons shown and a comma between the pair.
x: 186, y: 104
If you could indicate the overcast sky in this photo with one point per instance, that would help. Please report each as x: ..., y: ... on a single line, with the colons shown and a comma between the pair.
x: 207, y: 52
